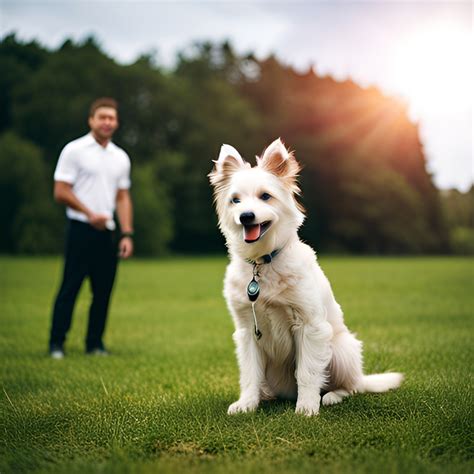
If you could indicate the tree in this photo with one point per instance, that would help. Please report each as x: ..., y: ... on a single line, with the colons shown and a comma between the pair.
x: 17, y: 62
x: 216, y: 114
x: 458, y: 209
x: 31, y: 221
x: 152, y: 212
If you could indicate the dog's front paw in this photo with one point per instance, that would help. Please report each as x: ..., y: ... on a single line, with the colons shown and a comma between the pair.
x: 242, y: 406
x: 307, y: 408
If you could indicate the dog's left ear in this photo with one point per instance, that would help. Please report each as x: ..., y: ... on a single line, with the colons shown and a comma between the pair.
x: 277, y: 160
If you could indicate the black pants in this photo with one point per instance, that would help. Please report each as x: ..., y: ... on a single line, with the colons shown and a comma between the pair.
x: 93, y: 253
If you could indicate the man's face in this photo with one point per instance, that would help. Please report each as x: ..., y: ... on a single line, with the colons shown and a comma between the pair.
x: 104, y: 122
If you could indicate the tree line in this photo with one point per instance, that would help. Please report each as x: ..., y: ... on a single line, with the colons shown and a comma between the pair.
x: 365, y: 184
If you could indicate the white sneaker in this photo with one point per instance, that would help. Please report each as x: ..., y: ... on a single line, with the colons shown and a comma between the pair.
x: 98, y: 351
x: 56, y: 353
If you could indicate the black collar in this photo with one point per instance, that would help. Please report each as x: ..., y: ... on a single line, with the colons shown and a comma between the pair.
x: 266, y: 258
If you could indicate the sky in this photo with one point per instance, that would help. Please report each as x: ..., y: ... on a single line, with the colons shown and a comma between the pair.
x: 418, y: 51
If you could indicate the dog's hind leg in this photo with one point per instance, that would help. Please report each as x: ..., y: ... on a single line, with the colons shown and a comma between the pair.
x: 336, y: 396
x: 345, y: 371
x: 345, y: 368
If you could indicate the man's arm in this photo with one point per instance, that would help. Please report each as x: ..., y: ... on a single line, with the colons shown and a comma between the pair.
x: 125, y: 216
x: 63, y: 194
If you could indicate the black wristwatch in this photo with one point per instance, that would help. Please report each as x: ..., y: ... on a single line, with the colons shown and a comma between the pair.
x: 126, y: 234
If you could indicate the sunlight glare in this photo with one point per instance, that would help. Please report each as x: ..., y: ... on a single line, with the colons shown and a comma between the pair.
x: 433, y: 70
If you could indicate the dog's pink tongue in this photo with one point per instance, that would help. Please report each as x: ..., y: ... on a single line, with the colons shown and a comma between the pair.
x: 252, y: 232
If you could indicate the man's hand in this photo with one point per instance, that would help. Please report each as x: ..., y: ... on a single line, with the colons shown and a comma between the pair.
x: 64, y: 194
x: 125, y: 247
x: 98, y: 220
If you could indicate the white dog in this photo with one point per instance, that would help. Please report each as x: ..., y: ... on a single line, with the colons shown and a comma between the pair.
x: 290, y: 336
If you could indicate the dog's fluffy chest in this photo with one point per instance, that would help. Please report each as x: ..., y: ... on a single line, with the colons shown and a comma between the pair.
x: 277, y: 290
x: 274, y: 311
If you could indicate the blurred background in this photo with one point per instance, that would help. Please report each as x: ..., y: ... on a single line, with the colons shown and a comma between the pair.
x: 375, y: 98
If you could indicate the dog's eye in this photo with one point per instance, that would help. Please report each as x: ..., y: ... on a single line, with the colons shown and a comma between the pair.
x: 265, y: 197
x: 235, y: 200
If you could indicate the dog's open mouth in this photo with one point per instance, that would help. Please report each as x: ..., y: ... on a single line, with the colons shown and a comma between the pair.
x: 253, y: 232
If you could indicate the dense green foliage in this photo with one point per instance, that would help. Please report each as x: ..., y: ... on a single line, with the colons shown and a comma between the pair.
x: 158, y: 404
x: 24, y: 192
x: 459, y: 209
x: 365, y: 184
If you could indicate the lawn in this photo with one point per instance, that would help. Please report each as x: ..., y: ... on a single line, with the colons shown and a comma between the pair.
x: 158, y: 404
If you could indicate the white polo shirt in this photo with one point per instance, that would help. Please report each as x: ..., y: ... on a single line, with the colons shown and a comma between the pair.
x: 96, y: 174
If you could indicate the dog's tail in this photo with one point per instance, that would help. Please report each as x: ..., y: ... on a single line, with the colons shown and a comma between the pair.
x: 376, y: 383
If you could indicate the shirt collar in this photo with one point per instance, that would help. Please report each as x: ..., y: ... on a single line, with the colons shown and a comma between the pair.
x: 90, y: 140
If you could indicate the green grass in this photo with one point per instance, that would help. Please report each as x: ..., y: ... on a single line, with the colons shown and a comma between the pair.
x: 159, y: 403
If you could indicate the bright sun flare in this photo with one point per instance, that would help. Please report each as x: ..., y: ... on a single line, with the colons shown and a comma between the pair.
x: 433, y: 69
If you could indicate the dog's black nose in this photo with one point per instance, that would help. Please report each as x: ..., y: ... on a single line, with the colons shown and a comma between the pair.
x: 247, y: 218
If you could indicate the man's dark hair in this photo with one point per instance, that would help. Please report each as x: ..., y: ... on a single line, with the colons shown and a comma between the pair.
x: 103, y: 102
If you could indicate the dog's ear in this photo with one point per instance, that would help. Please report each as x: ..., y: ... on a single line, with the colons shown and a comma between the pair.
x: 228, y: 162
x: 277, y: 160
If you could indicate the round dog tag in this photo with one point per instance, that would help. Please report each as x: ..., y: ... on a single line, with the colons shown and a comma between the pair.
x: 253, y: 290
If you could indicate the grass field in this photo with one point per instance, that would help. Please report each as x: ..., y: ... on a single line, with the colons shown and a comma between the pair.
x: 158, y: 404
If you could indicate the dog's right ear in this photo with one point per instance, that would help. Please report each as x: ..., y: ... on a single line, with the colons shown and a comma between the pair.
x: 228, y: 162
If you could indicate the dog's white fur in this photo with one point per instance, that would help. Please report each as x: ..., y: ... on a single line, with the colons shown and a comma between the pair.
x: 305, y: 346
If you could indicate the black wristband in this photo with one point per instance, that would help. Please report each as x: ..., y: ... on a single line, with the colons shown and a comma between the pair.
x: 126, y: 234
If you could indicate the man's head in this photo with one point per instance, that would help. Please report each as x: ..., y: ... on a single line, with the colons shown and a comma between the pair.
x: 103, y: 118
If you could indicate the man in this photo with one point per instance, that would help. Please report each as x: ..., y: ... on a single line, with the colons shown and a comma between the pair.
x: 92, y: 179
